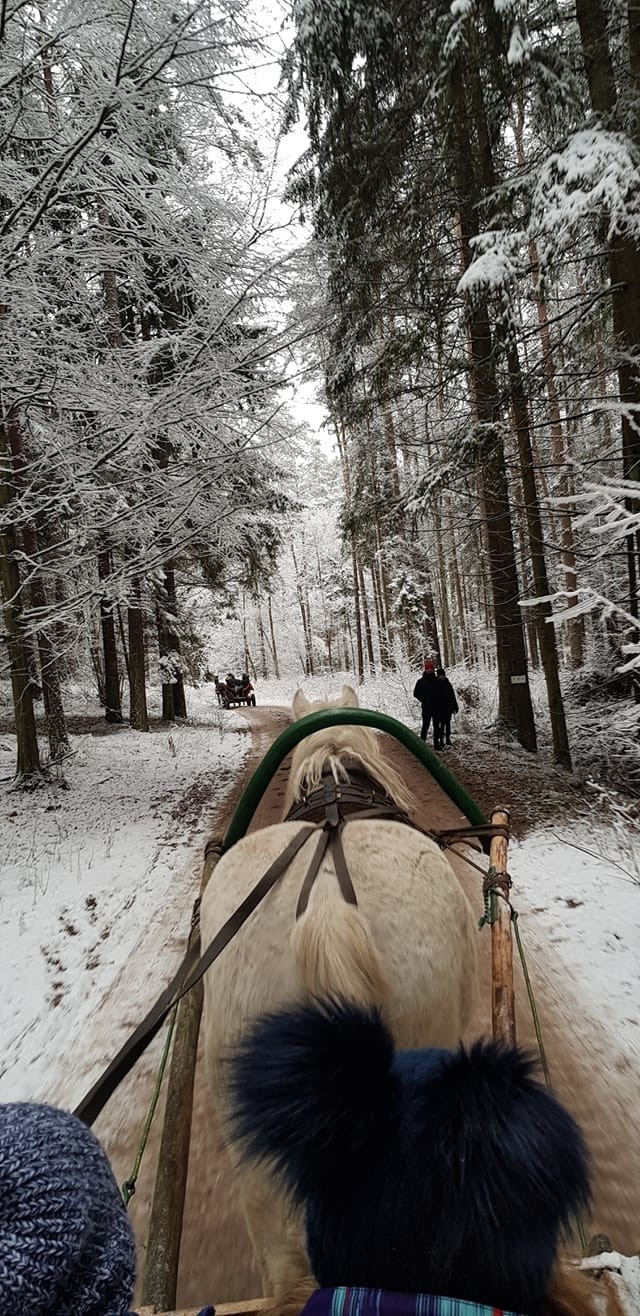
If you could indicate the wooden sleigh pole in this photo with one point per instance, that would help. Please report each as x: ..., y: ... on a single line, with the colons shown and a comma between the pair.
x: 253, y: 1308
x: 160, y: 1278
x: 503, y: 1010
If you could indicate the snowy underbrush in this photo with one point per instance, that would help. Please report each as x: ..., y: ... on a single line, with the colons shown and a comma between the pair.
x: 595, y: 683
x: 605, y: 742
x: 98, y: 882
x: 81, y: 701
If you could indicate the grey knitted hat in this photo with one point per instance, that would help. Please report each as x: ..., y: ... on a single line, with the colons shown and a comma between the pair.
x: 66, y: 1244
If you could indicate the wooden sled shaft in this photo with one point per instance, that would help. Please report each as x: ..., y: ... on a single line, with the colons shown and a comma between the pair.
x: 503, y: 1009
x: 255, y: 1307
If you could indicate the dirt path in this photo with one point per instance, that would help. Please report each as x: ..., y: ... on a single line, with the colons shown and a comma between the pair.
x: 590, y: 1070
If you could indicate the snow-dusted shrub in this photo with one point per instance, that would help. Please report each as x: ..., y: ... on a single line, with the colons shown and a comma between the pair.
x: 596, y: 684
x: 605, y: 742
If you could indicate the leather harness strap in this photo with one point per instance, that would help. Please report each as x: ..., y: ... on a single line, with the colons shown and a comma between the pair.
x: 362, y: 795
x: 342, y: 872
x: 447, y: 834
x: 312, y: 871
x: 329, y: 839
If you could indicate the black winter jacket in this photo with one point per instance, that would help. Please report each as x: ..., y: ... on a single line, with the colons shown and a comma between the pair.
x: 452, y: 702
x: 432, y: 694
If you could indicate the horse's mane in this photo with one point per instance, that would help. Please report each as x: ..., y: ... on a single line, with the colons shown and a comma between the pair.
x: 571, y: 1293
x: 306, y: 775
x: 337, y: 745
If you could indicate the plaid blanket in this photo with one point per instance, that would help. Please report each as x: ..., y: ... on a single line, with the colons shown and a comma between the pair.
x: 378, y: 1302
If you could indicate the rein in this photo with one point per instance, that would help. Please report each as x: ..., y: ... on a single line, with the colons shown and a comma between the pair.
x: 190, y: 972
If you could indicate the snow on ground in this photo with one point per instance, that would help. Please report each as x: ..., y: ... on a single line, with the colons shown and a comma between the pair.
x: 584, y: 908
x: 91, y: 873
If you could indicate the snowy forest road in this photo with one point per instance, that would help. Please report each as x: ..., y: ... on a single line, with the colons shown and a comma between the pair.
x: 588, y: 1069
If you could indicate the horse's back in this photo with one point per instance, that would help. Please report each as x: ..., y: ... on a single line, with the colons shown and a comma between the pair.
x: 419, y: 918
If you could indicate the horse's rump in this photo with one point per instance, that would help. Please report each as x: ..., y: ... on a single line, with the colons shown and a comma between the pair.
x: 415, y: 916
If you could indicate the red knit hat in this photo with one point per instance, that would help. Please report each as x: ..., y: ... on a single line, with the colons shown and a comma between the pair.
x: 428, y: 665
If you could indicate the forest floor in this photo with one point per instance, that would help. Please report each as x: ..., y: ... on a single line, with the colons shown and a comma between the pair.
x: 575, y: 885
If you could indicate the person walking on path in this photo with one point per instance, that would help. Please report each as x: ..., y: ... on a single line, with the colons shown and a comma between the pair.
x: 451, y: 705
x: 432, y: 696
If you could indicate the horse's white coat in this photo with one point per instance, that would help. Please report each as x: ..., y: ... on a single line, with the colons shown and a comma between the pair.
x: 410, y: 945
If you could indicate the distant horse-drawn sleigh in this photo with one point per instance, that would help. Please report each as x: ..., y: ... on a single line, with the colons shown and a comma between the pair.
x: 347, y: 899
x: 235, y: 691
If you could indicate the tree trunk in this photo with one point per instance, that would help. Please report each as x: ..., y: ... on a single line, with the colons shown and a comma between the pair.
x: 515, y: 707
x: 245, y: 643
x: 445, y: 616
x: 575, y: 627
x: 112, y: 704
x: 179, y: 697
x: 168, y: 702
x: 28, y: 757
x: 545, y: 630
x: 623, y: 252
x: 274, y: 651
x: 388, y: 659
x: 309, y: 631
x: 366, y: 618
x: 457, y: 588
x: 325, y: 611
x: 49, y: 669
x: 377, y: 605
x: 263, y: 647
x: 173, y: 695
x: 431, y: 633
x: 138, y: 715
x: 356, y: 613
x: 97, y: 664
x: 304, y: 614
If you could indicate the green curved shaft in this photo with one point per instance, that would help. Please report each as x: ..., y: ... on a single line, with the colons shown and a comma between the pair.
x: 363, y: 717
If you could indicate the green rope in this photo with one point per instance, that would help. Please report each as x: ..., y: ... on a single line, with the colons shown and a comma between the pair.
x: 532, y: 1000
x: 488, y: 892
x: 129, y: 1185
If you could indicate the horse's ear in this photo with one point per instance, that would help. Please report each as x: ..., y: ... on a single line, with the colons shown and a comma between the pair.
x: 349, y: 698
x: 300, y: 706
x: 311, y: 1092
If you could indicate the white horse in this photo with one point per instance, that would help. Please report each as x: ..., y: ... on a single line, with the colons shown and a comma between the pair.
x: 409, y: 947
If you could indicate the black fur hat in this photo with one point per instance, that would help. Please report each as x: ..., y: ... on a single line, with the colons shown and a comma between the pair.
x: 444, y: 1172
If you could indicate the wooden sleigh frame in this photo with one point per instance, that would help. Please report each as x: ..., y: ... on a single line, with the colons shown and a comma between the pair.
x: 165, y: 1226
